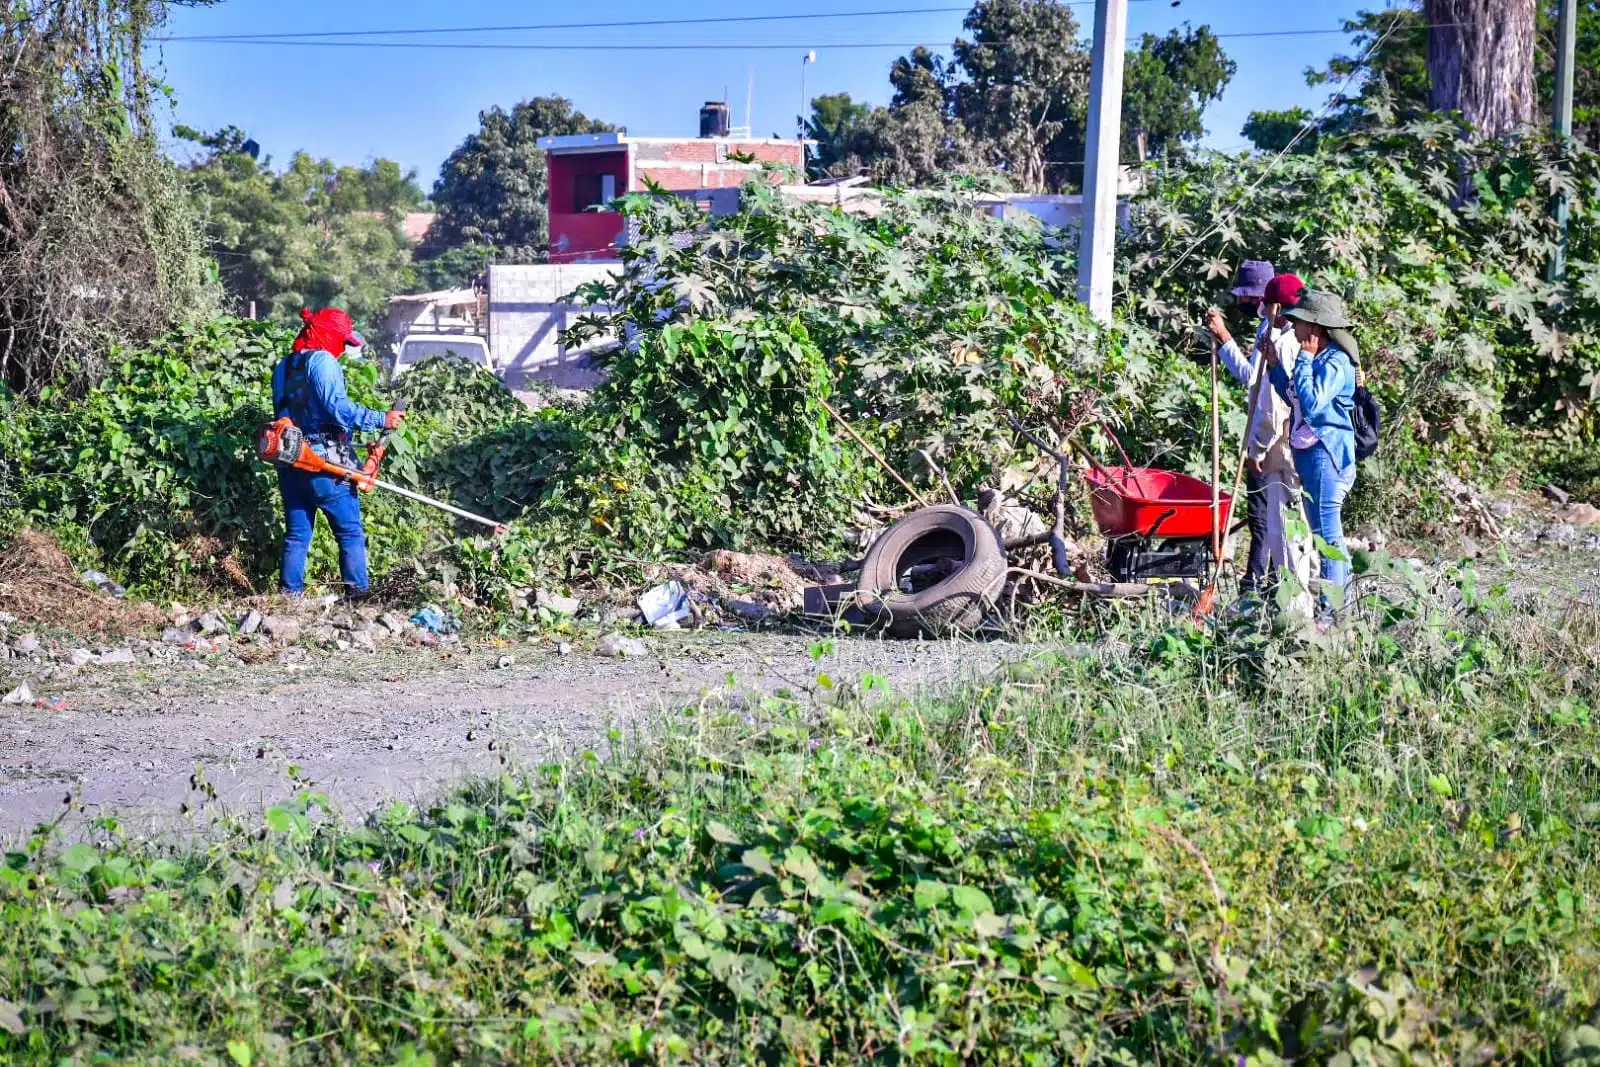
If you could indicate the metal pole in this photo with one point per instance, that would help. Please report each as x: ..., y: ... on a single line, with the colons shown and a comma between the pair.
x: 1566, y: 51
x: 805, y: 61
x: 1097, y: 240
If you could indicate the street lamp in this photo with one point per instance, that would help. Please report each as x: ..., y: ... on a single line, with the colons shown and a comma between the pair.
x: 805, y: 61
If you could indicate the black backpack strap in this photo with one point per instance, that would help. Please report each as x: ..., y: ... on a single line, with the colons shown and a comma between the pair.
x: 296, y: 385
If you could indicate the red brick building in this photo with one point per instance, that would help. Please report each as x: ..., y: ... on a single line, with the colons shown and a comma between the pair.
x: 588, y: 170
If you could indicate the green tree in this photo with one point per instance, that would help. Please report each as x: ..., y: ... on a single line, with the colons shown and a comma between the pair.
x: 492, y: 190
x: 1394, y: 80
x: 1272, y: 131
x: 836, y: 120
x: 1168, y: 84
x: 311, y: 234
x: 1389, y: 62
x: 1025, y: 85
x: 1014, y: 100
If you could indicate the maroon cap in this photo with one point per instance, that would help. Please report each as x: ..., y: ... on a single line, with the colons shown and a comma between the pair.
x: 1284, y: 289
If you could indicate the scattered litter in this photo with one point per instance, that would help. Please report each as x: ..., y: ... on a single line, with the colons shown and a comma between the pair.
x: 616, y: 646
x: 6, y: 618
x: 504, y: 662
x: 54, y: 704
x: 210, y: 623
x: 436, y: 622
x: 77, y: 657
x: 667, y: 603
x: 555, y: 603
x: 103, y: 583
x: 116, y: 656
x: 564, y: 648
x: 174, y: 636
x: 1556, y: 494
x: 20, y: 695
x: 250, y: 623
x: 364, y: 640
x: 26, y: 645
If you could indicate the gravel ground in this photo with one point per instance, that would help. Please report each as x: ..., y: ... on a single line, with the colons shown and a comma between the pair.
x: 406, y: 724
x: 370, y: 729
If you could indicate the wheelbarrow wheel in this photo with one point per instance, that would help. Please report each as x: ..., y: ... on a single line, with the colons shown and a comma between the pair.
x: 936, y: 571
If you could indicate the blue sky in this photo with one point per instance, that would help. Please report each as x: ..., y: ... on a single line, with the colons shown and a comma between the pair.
x: 353, y: 103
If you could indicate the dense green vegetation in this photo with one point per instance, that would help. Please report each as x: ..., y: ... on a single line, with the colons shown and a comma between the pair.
x: 1192, y: 846
x: 927, y: 327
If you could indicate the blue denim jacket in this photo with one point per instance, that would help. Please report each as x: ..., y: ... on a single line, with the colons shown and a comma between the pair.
x: 1325, y: 387
x: 320, y: 406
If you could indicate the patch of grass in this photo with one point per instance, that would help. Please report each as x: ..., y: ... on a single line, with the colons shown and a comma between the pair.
x: 1194, y: 846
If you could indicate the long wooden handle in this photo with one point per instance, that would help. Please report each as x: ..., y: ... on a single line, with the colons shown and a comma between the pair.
x: 1258, y: 377
x: 1216, y: 460
x: 873, y: 452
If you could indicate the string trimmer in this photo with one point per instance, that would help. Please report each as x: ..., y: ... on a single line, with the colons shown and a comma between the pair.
x: 283, y: 443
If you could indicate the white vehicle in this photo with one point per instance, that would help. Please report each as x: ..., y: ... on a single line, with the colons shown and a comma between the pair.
x: 418, y: 347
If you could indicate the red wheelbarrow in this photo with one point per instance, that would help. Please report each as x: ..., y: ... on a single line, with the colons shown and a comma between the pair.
x: 1157, y: 523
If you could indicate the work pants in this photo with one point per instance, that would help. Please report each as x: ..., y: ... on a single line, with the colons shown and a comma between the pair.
x: 1325, y: 487
x: 304, y: 494
x: 1255, y: 571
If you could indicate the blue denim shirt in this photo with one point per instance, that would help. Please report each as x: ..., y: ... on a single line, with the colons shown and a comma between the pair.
x: 1325, y: 386
x: 325, y: 409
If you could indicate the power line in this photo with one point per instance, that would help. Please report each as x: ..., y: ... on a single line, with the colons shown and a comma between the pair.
x: 705, y: 21
x: 297, y: 42
x: 521, y: 47
x: 1310, y: 126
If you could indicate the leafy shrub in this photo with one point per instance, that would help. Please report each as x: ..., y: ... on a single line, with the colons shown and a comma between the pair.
x: 936, y: 321
x: 728, y: 422
x: 156, y: 464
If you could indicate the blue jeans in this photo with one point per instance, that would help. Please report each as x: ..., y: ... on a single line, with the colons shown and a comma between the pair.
x: 304, y: 494
x: 1325, y: 487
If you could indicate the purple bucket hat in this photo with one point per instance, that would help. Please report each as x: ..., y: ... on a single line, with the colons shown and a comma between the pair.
x: 1254, y: 274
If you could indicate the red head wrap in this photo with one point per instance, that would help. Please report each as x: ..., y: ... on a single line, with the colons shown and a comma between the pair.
x: 328, y: 330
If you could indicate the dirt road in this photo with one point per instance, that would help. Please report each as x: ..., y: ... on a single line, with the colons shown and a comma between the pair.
x: 371, y: 729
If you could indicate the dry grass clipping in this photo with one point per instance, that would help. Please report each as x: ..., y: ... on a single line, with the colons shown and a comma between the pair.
x: 222, y: 566
x: 39, y: 584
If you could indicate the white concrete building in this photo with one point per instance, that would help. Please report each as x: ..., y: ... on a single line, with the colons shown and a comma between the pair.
x: 529, y: 311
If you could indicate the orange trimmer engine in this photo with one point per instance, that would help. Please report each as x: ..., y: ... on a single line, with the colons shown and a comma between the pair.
x: 280, y: 442
x: 283, y: 443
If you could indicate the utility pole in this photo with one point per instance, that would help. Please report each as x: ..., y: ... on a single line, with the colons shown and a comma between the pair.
x: 805, y: 61
x: 1097, y: 240
x: 1566, y: 53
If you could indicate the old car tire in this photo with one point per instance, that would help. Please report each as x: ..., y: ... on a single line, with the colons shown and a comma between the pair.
x: 956, y: 602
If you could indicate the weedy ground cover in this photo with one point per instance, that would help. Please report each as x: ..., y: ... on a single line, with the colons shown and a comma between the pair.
x: 1185, y: 846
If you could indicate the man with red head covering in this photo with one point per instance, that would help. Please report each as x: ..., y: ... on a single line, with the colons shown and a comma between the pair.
x: 308, y: 386
x: 1270, y: 482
